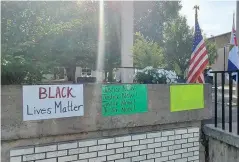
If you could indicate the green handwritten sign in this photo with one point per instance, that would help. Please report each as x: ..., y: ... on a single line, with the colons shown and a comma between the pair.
x: 124, y: 99
x: 186, y: 97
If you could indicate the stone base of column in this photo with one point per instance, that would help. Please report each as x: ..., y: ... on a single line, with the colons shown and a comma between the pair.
x: 127, y: 75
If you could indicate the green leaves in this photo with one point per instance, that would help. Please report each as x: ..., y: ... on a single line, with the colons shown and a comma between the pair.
x: 54, y: 34
x: 38, y: 36
x: 147, y: 53
x: 172, y: 34
x: 212, y: 51
x: 178, y: 38
x: 152, y: 16
x: 18, y: 70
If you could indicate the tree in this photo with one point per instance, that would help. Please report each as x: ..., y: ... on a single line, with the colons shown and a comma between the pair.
x: 76, y: 43
x: 152, y: 16
x: 147, y: 53
x: 81, y: 41
x: 18, y: 70
x: 212, y: 51
x: 53, y: 34
x: 50, y: 33
x: 178, y: 40
x: 22, y: 28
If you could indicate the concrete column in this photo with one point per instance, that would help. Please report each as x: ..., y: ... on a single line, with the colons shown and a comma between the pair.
x: 127, y: 35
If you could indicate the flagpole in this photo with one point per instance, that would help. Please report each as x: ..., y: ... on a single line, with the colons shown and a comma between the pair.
x: 197, y: 74
x: 233, y: 20
x: 196, y: 18
x: 236, y: 85
x: 224, y: 64
x: 196, y: 12
x: 236, y: 36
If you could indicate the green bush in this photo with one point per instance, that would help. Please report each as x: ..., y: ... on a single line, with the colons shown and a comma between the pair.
x: 17, y: 70
x: 150, y: 75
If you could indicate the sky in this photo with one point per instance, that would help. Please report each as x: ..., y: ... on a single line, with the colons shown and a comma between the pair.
x: 215, y: 16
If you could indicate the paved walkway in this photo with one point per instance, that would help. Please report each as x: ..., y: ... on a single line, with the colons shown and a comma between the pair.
x: 219, y: 114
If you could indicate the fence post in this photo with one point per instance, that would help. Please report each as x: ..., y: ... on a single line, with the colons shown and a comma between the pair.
x: 230, y: 101
x: 223, y: 101
x: 215, y: 99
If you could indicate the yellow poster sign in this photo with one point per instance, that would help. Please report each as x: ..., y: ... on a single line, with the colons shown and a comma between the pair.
x: 186, y: 97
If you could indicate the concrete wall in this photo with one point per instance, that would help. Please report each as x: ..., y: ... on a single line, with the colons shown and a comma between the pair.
x: 180, y: 144
x: 222, y: 145
x: 219, y: 63
x: 18, y: 133
x: 221, y: 40
x: 222, y: 152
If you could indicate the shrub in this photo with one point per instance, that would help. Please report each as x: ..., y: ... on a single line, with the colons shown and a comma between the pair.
x: 18, y: 70
x: 150, y: 75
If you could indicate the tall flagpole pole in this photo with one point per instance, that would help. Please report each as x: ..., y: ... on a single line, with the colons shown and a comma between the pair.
x: 224, y: 58
x: 196, y: 7
x: 236, y: 85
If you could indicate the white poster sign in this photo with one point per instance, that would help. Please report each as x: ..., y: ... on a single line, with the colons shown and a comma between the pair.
x: 52, y: 101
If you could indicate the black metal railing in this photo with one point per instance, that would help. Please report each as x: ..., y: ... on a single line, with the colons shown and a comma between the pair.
x: 232, y: 75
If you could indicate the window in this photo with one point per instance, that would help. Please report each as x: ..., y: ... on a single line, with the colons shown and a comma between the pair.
x: 86, y: 72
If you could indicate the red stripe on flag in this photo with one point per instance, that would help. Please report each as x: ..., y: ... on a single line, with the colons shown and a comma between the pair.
x: 201, y: 78
x: 200, y: 70
x: 197, y: 62
x: 197, y: 52
x: 234, y: 36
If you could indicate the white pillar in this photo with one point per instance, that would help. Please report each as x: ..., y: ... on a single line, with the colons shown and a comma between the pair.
x: 127, y: 35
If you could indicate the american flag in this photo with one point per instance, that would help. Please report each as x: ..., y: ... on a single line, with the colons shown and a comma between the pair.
x: 199, y: 58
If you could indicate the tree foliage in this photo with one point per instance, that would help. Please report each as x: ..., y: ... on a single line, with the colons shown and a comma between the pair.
x: 152, y: 16
x: 147, y: 53
x: 212, y: 51
x: 22, y: 28
x: 38, y: 36
x: 54, y: 34
x: 17, y: 70
x: 150, y: 75
x: 178, y: 38
x: 178, y: 42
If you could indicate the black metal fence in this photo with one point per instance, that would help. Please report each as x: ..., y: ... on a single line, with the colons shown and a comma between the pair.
x: 233, y: 77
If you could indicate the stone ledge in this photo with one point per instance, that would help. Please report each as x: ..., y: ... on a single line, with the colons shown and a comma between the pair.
x: 13, y: 126
x: 222, y: 135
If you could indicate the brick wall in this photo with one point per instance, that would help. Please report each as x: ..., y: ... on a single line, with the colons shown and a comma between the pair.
x: 175, y: 145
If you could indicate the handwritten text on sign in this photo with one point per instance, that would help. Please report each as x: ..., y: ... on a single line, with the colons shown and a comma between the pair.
x: 124, y: 99
x: 52, y: 101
